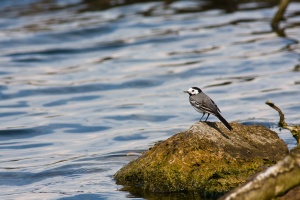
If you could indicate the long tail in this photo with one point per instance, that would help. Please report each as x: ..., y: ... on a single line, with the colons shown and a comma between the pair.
x: 219, y: 116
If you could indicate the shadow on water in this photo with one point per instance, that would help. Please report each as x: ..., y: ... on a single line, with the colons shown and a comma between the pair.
x: 22, y: 146
x: 36, y: 7
x: 150, y: 118
x: 67, y: 170
x: 130, y: 137
x: 15, y: 133
x: 227, y: 5
x: 7, y: 114
x: 73, y: 99
x: 86, y: 197
x: 175, y: 195
x: 262, y: 123
x: 82, y: 89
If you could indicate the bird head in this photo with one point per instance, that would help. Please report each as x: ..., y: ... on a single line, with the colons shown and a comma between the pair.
x: 193, y: 91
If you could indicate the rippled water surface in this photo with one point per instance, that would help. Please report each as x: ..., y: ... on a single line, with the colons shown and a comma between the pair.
x: 83, y: 83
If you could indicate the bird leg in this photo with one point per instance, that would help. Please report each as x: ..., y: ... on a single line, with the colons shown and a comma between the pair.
x: 202, y: 117
x: 207, y: 116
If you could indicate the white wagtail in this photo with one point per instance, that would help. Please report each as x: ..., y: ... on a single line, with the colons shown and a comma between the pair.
x: 204, y: 104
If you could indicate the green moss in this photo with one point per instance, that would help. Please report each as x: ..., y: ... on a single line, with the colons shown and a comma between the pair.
x: 202, y: 159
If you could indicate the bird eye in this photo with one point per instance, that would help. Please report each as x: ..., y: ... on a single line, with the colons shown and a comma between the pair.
x: 193, y: 90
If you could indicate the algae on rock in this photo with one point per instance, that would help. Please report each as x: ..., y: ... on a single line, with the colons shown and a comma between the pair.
x: 206, y: 158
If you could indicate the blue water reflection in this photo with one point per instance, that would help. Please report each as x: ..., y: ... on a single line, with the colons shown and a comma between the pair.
x: 86, y: 86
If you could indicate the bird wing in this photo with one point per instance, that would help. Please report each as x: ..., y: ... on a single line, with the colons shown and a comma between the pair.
x: 215, y: 105
x: 202, y: 106
x: 203, y: 102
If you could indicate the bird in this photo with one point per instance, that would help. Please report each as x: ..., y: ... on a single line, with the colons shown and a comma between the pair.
x: 204, y: 104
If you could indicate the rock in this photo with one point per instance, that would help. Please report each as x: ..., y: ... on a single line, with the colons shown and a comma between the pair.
x: 207, y: 158
x: 293, y: 194
x: 281, y: 181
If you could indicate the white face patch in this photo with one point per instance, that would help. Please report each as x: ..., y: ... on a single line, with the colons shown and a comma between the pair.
x: 193, y: 91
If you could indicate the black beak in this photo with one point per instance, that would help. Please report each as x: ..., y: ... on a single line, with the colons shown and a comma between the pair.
x: 185, y: 91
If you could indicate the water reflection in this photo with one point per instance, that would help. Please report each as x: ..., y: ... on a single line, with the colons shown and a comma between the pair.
x: 47, y: 129
x: 84, y: 83
x: 136, y: 117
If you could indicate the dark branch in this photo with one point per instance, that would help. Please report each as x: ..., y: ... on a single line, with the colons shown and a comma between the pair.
x: 279, y: 16
x: 295, y: 130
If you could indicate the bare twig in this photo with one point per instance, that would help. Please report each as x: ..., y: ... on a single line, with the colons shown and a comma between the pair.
x: 295, y: 130
x: 279, y: 16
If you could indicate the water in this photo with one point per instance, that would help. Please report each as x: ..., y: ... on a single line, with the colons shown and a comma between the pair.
x: 83, y: 84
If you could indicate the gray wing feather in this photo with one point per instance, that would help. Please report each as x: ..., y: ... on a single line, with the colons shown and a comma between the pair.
x: 205, y: 103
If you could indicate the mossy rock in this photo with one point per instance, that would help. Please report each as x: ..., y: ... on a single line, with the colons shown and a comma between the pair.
x: 207, y: 158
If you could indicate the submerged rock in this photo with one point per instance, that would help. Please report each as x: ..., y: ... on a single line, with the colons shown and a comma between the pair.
x: 207, y: 158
